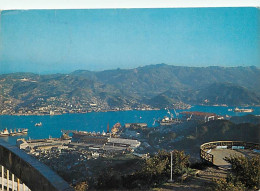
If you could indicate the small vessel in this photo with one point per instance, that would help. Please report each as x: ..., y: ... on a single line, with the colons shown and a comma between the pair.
x: 243, y: 110
x: 4, y: 133
x: 38, y: 124
x: 18, y: 132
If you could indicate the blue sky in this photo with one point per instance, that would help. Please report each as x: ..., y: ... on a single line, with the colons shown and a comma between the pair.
x: 49, y: 41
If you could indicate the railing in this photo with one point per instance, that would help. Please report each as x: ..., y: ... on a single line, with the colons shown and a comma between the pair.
x: 14, y: 183
x: 22, y: 172
x: 205, y: 148
x: 206, y: 156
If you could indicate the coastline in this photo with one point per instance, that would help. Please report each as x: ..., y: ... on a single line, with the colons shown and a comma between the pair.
x: 135, y: 109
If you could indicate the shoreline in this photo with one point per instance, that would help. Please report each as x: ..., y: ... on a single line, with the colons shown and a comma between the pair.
x: 150, y: 109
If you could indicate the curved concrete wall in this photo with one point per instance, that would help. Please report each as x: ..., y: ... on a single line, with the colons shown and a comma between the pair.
x: 34, y: 174
x: 211, y: 145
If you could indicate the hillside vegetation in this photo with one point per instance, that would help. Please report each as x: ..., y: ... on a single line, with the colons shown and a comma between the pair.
x: 155, y: 85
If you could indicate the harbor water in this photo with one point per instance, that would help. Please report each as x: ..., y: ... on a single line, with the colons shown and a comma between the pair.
x: 95, y: 121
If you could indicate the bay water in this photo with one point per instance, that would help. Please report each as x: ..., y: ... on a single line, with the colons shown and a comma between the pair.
x: 94, y: 121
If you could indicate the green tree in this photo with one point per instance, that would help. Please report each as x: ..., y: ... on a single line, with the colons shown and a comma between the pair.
x: 180, y: 162
x: 157, y: 164
x: 157, y: 168
x: 224, y: 185
x: 245, y: 170
x: 108, y: 179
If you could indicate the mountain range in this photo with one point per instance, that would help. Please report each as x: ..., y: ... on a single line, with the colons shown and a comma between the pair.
x: 155, y: 85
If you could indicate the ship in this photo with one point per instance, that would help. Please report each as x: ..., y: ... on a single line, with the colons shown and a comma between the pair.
x: 6, y: 133
x: 169, y: 120
x: 38, y: 124
x: 243, y: 110
x: 18, y: 132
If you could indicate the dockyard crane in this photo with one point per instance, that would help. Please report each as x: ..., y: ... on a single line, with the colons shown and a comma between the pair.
x: 177, y: 114
x: 170, y: 113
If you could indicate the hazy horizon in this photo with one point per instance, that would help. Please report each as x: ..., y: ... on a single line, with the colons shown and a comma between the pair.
x: 62, y: 41
x: 53, y: 72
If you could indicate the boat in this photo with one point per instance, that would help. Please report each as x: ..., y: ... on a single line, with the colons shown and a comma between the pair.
x: 38, y: 124
x: 18, y: 132
x: 169, y: 120
x: 243, y: 110
x: 4, y: 133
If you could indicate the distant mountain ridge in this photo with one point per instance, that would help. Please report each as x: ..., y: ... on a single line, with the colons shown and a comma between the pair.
x: 166, y: 84
x: 161, y: 77
x: 154, y: 85
x: 216, y: 93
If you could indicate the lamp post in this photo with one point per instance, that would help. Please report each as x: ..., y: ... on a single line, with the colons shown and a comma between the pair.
x: 171, y: 166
